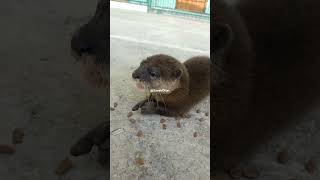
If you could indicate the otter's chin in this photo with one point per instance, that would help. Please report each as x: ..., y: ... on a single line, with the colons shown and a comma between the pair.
x: 140, y: 85
x: 93, y: 73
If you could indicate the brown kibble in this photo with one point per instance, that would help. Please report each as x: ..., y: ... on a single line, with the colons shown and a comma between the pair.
x: 250, y: 173
x: 283, y: 156
x: 112, y: 109
x: 162, y: 120
x: 140, y: 161
x: 164, y: 126
x: 7, y: 149
x: 311, y: 166
x: 132, y: 120
x: 17, y: 136
x: 235, y: 173
x: 207, y: 114
x: 130, y: 114
x: 195, y: 134
x: 115, y: 104
x: 64, y: 166
x: 140, y: 133
x: 201, y: 119
x: 178, y: 124
x: 198, y: 111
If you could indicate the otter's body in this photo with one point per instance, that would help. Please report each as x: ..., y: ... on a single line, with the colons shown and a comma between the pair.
x: 187, y: 84
x: 270, y: 67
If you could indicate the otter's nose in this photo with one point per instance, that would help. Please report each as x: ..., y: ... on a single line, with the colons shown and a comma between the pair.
x: 135, y: 75
x: 79, y: 45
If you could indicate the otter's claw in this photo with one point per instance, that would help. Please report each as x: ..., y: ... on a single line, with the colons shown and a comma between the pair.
x: 138, y: 105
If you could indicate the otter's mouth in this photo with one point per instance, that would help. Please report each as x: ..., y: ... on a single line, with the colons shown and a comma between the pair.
x: 93, y: 73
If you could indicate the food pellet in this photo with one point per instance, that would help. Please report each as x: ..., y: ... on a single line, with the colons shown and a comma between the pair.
x: 115, y: 104
x: 178, y: 124
x: 140, y: 161
x: 250, y: 173
x: 207, y: 114
x: 64, y: 166
x: 311, y: 166
x: 112, y: 109
x: 198, y: 111
x: 7, y: 149
x: 132, y: 120
x: 130, y: 114
x: 140, y: 133
x: 162, y: 120
x: 164, y: 126
x: 283, y: 156
x: 187, y: 116
x: 201, y: 119
x: 17, y: 136
x: 195, y: 134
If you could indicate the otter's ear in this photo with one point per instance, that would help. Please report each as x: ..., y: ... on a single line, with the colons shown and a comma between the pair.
x: 178, y: 73
x: 222, y: 37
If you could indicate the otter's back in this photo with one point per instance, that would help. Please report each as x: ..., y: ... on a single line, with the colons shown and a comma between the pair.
x: 199, y: 73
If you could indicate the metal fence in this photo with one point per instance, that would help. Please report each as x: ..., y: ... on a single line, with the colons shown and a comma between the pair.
x: 192, y: 8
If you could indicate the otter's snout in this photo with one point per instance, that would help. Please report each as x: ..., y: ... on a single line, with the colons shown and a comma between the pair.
x: 135, y: 74
x: 79, y: 45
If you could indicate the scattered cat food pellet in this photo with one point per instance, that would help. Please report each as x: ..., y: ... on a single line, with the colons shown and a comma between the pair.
x: 130, y: 114
x: 311, y: 166
x: 195, y: 134
x: 140, y: 161
x: 178, y: 124
x: 115, y: 104
x: 164, y: 126
x: 132, y: 120
x: 64, y: 166
x: 201, y: 119
x: 250, y: 173
x: 140, y: 133
x: 283, y: 156
x: 17, y: 136
x: 207, y: 114
x: 7, y: 149
x: 112, y: 109
x: 44, y: 59
x: 162, y: 120
x: 198, y: 111
x: 235, y: 173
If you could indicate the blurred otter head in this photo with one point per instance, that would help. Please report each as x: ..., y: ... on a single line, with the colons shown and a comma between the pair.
x: 89, y: 46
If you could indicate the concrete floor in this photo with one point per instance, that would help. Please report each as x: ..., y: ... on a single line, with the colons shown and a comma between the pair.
x: 172, y: 153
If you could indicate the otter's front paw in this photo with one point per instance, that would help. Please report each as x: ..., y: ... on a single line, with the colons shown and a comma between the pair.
x: 139, y: 104
x: 148, y: 108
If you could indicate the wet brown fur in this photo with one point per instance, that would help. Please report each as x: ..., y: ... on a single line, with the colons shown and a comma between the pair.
x: 270, y: 75
x: 193, y: 84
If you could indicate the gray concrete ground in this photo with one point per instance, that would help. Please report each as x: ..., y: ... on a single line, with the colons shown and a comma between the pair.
x: 172, y: 153
x: 42, y: 90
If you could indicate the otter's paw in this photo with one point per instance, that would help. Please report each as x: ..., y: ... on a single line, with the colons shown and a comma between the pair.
x: 148, y: 108
x: 138, y: 105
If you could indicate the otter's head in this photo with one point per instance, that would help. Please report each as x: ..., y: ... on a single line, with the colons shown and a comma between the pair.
x: 160, y: 74
x: 89, y: 46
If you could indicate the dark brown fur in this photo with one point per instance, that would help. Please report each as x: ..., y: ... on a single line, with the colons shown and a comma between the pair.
x: 265, y: 92
x: 193, y: 78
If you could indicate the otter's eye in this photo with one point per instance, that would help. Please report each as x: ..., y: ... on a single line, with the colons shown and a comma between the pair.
x: 153, y: 74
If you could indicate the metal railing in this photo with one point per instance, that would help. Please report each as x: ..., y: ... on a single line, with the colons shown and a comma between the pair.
x: 191, y: 8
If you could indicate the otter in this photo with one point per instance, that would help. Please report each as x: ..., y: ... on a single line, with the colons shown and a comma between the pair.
x: 184, y: 84
x: 266, y: 61
x: 89, y: 46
